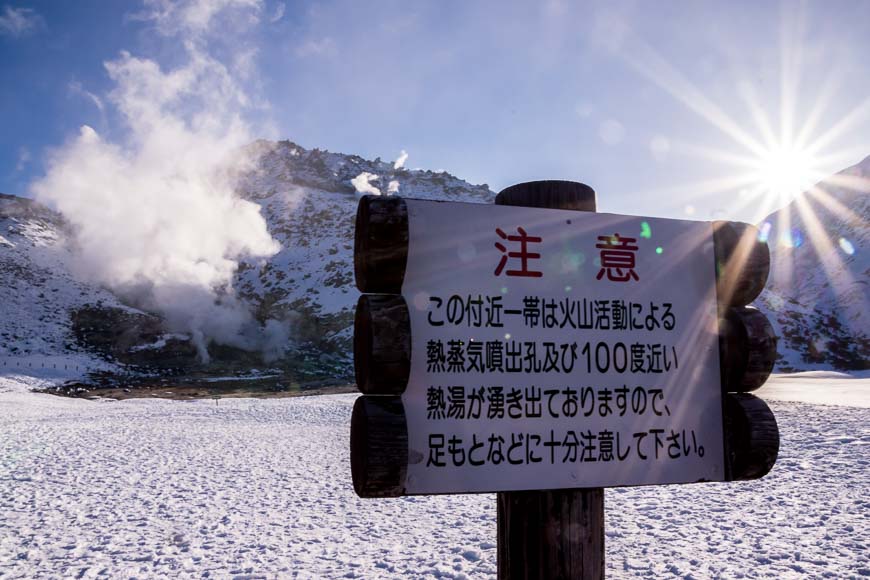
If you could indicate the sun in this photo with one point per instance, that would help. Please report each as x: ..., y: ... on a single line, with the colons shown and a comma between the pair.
x: 785, y: 171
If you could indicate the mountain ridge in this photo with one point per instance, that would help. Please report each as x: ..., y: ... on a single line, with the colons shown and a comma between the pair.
x: 308, y: 198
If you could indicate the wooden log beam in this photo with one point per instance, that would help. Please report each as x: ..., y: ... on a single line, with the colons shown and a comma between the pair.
x: 742, y: 262
x: 378, y: 446
x: 747, y: 349
x: 382, y: 344
x: 751, y: 437
x: 379, y: 463
x: 380, y: 244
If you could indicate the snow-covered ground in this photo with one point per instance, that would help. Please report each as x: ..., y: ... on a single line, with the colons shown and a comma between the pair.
x: 819, y: 388
x: 261, y: 489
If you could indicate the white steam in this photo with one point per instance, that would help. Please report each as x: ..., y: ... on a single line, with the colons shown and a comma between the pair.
x: 400, y: 162
x: 363, y: 183
x: 155, y: 214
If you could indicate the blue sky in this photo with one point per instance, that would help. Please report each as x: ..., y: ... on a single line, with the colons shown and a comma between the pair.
x: 648, y: 102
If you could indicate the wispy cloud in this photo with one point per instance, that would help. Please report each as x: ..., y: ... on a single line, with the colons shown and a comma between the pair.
x: 316, y: 47
x: 195, y: 18
x: 76, y: 89
x: 18, y: 22
x: 400, y: 162
x: 23, y: 158
x: 279, y: 12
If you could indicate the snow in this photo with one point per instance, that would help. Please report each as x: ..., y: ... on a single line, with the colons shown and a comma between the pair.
x: 260, y: 488
x: 819, y: 388
x: 816, y: 296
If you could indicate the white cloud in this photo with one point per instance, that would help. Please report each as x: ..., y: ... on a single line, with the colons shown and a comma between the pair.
x: 584, y: 110
x: 76, y: 89
x: 660, y: 146
x: 316, y: 47
x: 610, y: 30
x: 611, y: 131
x: 23, y: 158
x: 17, y: 22
x: 156, y: 214
x: 362, y: 183
x: 400, y: 162
x: 196, y: 17
x: 279, y: 12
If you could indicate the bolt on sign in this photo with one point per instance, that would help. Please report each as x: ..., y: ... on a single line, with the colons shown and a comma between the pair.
x: 530, y: 349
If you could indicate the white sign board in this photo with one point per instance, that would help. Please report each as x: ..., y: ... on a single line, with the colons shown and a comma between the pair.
x: 559, y: 349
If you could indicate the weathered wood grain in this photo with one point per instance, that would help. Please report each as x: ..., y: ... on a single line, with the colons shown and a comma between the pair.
x: 382, y: 344
x: 536, y: 548
x: 742, y: 262
x: 551, y: 194
x: 751, y: 437
x: 378, y: 446
x: 747, y: 349
x: 380, y: 244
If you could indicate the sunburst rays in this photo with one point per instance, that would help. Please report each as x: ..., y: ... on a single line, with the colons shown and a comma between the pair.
x: 776, y: 157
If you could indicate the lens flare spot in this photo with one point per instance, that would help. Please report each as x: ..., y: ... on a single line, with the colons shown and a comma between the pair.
x: 847, y: 246
x: 792, y: 239
x: 421, y: 300
x: 567, y: 288
x: 467, y: 253
x: 645, y: 230
x: 776, y: 302
x: 659, y: 250
x: 764, y: 232
x: 571, y: 262
x: 507, y: 336
x: 689, y: 209
x: 504, y: 289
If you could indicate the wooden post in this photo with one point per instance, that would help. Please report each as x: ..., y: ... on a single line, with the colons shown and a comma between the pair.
x: 553, y: 533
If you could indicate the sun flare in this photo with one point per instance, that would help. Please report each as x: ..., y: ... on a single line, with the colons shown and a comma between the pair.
x: 785, y: 171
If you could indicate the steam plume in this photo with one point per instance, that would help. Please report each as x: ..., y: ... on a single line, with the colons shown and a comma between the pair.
x: 363, y: 183
x: 155, y: 213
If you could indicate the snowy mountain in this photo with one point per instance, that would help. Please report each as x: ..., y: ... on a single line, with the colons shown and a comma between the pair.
x: 308, y: 197
x: 40, y: 295
x: 818, y: 293
x: 816, y: 296
x: 309, y: 200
